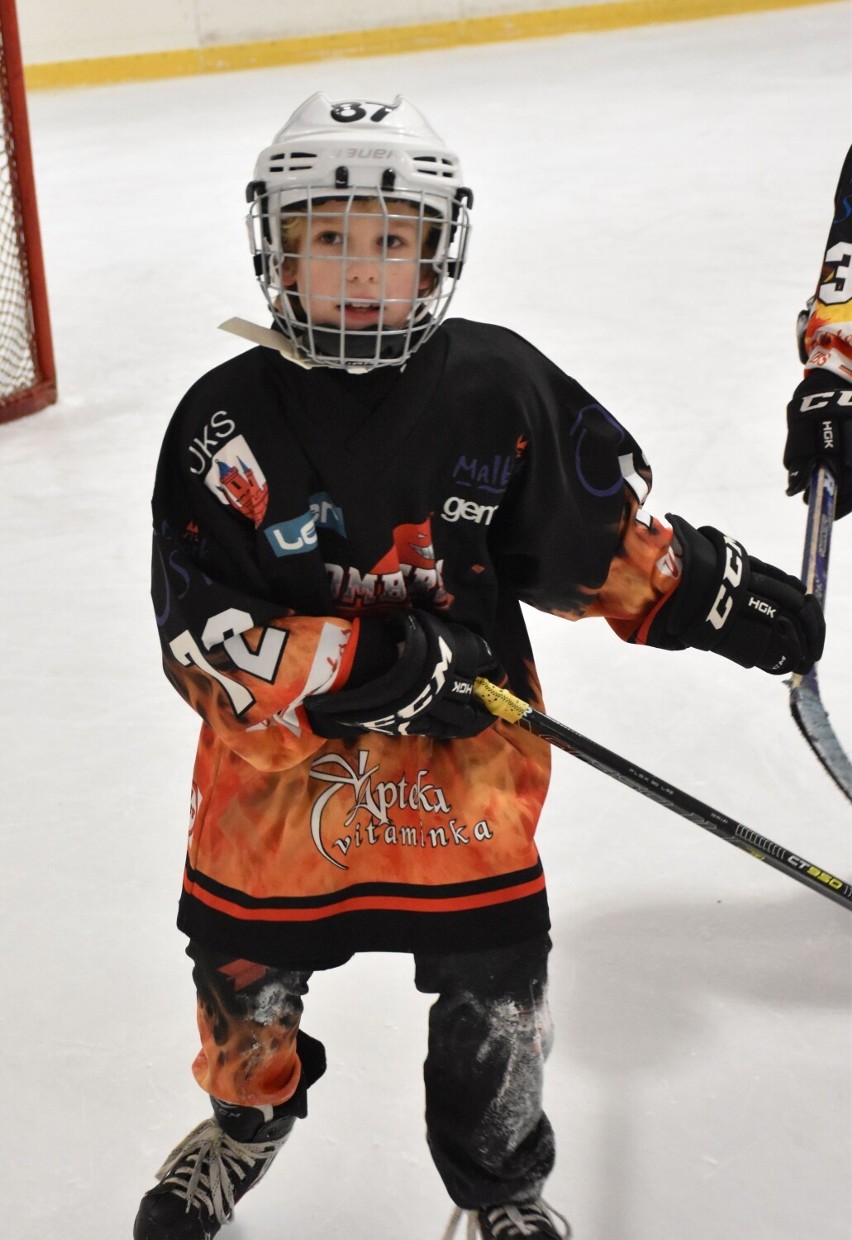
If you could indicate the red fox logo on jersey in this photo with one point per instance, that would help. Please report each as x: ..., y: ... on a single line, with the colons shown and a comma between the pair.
x: 413, y: 554
x: 408, y: 571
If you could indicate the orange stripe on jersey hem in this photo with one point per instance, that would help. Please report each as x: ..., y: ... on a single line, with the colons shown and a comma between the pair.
x: 370, y: 904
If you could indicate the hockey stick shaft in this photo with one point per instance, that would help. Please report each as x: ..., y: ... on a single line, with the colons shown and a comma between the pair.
x: 806, y: 703
x: 822, y: 499
x: 506, y: 706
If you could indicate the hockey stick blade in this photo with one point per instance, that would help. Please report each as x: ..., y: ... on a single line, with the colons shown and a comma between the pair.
x: 505, y: 705
x: 806, y: 704
x: 806, y: 707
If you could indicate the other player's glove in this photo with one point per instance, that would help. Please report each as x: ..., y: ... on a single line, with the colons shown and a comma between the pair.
x: 734, y: 605
x: 427, y: 692
x: 819, y: 432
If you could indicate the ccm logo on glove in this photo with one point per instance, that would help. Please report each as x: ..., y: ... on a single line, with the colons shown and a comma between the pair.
x: 398, y: 719
x: 733, y: 604
x: 427, y: 691
x: 731, y: 580
x: 819, y: 432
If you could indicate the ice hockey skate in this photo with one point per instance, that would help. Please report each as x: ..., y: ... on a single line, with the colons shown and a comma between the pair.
x: 204, y: 1177
x: 513, y: 1221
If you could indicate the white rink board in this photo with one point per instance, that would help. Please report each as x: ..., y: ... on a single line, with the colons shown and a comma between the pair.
x: 59, y: 30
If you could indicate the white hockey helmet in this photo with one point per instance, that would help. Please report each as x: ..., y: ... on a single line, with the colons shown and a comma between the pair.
x: 363, y: 155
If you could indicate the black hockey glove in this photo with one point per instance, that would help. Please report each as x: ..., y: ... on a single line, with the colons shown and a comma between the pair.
x: 736, y: 606
x: 819, y: 432
x: 427, y: 692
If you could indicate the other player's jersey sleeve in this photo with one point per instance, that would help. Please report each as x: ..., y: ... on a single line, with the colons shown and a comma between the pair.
x: 827, y: 339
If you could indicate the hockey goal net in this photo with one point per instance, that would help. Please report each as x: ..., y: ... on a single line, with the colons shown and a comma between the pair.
x: 27, y: 375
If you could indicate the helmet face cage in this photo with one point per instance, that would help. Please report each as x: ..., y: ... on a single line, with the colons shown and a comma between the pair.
x: 305, y: 206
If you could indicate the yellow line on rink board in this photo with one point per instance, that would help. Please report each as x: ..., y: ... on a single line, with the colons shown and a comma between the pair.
x: 392, y: 40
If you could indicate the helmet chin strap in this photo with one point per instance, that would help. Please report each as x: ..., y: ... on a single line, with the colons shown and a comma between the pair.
x: 361, y: 346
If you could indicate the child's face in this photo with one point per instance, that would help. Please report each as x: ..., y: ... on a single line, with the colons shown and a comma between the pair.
x: 359, y: 267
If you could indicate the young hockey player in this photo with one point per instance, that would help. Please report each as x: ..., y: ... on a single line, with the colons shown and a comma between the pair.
x: 347, y: 520
x: 819, y: 416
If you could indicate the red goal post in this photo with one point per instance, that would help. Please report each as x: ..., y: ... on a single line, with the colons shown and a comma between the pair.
x: 27, y: 372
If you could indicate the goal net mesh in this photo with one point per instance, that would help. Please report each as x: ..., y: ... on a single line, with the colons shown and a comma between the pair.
x: 26, y: 360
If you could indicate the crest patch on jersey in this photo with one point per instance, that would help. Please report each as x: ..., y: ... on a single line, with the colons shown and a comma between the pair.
x: 236, y: 479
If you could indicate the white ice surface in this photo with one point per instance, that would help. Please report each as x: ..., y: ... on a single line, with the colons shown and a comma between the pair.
x: 651, y: 211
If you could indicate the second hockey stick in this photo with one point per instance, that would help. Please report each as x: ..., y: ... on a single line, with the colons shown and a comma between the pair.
x: 806, y: 704
x: 506, y: 706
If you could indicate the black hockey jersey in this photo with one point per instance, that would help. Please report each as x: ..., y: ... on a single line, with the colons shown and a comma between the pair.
x: 292, y: 506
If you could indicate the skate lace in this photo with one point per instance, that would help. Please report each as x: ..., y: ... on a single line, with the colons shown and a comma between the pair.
x: 508, y: 1222
x: 208, y: 1165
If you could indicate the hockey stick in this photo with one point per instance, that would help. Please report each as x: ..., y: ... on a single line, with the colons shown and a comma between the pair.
x: 806, y: 704
x: 506, y: 706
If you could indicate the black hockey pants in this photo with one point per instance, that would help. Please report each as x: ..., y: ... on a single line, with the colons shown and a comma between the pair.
x: 489, y: 1035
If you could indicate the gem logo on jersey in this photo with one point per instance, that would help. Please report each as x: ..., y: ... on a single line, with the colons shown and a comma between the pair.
x: 236, y: 479
x: 457, y: 509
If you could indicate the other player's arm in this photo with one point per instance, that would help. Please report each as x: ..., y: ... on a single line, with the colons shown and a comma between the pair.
x: 819, y: 415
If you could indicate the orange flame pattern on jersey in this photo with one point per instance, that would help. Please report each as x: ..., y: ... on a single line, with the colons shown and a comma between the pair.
x: 291, y: 828
x: 643, y: 573
x: 379, y: 810
x: 246, y: 1058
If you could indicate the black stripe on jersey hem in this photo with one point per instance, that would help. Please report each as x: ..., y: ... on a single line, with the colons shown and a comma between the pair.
x: 331, y: 941
x: 424, y: 891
